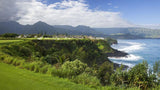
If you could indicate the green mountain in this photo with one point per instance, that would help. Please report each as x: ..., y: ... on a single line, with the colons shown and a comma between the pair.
x: 135, y: 32
x: 44, y: 28
x: 41, y: 27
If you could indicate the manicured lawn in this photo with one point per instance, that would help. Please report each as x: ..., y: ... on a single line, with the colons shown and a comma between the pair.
x: 13, y: 78
x: 6, y: 42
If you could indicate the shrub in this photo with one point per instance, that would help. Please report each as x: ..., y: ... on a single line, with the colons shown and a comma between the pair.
x: 22, y: 62
x: 70, y: 68
x: 105, y: 71
x: 138, y: 76
x: 24, y: 51
x: 87, y: 79
x: 44, y: 69
x: 8, y: 60
x: 50, y: 59
x: 34, y: 66
x: 120, y: 77
x: 31, y: 66
x: 9, y: 35
x: 19, y: 62
x: 56, y: 72
x: 50, y: 70
x: 37, y: 68
x: 2, y: 56
x: 14, y: 62
x: 76, y: 66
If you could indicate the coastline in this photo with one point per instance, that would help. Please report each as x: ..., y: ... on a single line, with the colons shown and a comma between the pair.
x: 118, y: 54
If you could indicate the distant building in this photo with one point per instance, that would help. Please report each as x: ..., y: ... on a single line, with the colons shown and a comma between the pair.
x: 90, y: 37
x: 100, y: 38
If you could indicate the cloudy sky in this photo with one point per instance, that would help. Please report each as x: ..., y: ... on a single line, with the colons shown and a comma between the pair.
x: 94, y: 13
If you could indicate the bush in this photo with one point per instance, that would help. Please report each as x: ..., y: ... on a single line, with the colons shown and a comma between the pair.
x: 71, y: 68
x: 19, y: 62
x: 105, y: 71
x: 51, y: 70
x: 75, y: 66
x: 120, y: 77
x: 37, y: 68
x: 29, y: 66
x: 2, y: 56
x: 87, y: 79
x: 44, y: 69
x: 14, y: 62
x: 9, y: 35
x: 8, y: 60
x: 22, y: 62
x: 34, y: 66
x: 56, y: 72
x: 138, y: 76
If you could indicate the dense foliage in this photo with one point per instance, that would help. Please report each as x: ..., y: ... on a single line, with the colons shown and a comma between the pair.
x: 9, y: 35
x: 81, y: 61
x: 59, y: 51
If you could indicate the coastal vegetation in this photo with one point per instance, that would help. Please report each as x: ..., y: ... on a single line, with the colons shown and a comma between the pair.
x: 81, y: 63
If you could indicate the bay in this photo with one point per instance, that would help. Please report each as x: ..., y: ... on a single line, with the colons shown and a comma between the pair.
x: 138, y: 50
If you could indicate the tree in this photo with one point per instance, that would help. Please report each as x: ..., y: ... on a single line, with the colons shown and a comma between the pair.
x: 105, y: 71
x: 11, y: 35
x: 120, y: 77
x: 156, y: 68
x: 138, y: 76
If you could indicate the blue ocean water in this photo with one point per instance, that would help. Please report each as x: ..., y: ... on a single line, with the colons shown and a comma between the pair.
x: 138, y: 50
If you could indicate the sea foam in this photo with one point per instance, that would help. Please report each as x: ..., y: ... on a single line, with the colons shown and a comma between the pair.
x: 132, y: 46
x: 130, y: 57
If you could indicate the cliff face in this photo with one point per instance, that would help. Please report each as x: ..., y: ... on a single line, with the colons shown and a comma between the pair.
x: 86, y: 50
x: 117, y: 53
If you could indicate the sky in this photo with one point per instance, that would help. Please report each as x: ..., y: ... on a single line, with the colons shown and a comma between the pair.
x: 93, y: 13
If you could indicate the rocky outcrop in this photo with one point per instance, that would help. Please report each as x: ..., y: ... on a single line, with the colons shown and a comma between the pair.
x: 117, y: 53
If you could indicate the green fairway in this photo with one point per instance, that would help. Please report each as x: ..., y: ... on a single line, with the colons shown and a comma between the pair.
x: 5, y: 42
x: 12, y: 78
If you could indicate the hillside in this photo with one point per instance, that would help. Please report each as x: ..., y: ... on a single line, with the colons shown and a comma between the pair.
x: 78, y: 60
x: 88, y: 51
x: 68, y: 64
x: 12, y: 78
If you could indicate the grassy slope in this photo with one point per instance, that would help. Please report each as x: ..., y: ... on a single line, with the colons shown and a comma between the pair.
x: 5, y: 42
x: 12, y: 78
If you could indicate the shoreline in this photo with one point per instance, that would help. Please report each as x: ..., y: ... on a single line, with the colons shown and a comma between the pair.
x: 118, y: 54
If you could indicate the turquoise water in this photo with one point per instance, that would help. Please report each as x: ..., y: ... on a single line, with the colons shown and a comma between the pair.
x: 138, y: 50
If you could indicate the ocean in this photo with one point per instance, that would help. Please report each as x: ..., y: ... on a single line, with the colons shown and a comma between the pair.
x: 138, y: 50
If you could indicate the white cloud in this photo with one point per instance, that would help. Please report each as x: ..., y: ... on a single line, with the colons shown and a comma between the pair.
x: 109, y: 4
x: 68, y: 12
x: 9, y: 9
x: 116, y: 7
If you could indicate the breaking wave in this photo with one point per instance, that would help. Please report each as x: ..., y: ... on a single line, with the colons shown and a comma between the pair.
x: 130, y: 57
x: 132, y: 46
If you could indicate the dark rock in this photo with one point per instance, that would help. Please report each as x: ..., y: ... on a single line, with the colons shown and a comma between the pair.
x: 117, y: 53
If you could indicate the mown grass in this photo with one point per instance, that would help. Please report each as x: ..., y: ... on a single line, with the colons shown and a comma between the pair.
x: 12, y: 78
x: 6, y: 42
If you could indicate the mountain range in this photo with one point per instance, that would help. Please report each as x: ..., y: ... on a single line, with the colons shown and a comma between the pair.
x: 41, y: 27
x: 44, y: 28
